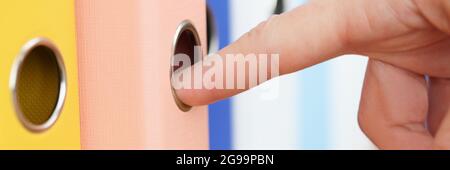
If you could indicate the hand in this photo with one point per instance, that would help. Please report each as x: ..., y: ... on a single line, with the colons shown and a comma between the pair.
x: 405, y: 102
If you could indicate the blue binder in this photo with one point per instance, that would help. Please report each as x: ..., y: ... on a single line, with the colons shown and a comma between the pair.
x: 220, y: 112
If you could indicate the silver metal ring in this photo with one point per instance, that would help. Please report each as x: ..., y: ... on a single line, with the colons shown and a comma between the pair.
x: 185, y: 25
x: 13, y: 82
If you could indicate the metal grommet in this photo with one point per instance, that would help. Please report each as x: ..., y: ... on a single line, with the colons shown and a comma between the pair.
x: 186, y: 37
x: 38, y: 84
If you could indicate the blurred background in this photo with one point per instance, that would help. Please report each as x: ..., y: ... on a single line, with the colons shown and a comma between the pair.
x: 312, y: 109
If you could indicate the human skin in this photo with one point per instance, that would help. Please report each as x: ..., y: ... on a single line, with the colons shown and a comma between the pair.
x: 406, y: 93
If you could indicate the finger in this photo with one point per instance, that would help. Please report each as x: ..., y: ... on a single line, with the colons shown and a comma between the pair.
x: 437, y: 12
x: 393, y: 108
x: 303, y: 37
x: 435, y: 56
x: 442, y: 139
x: 439, y: 97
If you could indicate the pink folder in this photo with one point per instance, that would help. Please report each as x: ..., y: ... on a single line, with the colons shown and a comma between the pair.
x: 125, y: 49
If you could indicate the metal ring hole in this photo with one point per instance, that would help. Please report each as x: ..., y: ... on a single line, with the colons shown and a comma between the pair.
x: 38, y: 85
x: 186, y: 38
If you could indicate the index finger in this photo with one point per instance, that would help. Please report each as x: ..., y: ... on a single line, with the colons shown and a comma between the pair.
x: 306, y: 36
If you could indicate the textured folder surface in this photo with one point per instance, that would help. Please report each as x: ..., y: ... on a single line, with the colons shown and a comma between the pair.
x: 126, y: 100
x: 20, y: 22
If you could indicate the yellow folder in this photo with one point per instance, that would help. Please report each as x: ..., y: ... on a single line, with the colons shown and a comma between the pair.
x: 39, y: 103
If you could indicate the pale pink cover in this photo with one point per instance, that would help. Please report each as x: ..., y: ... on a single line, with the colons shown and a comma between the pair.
x: 124, y: 57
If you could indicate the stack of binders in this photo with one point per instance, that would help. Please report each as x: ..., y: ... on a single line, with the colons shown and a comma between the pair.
x: 84, y: 74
